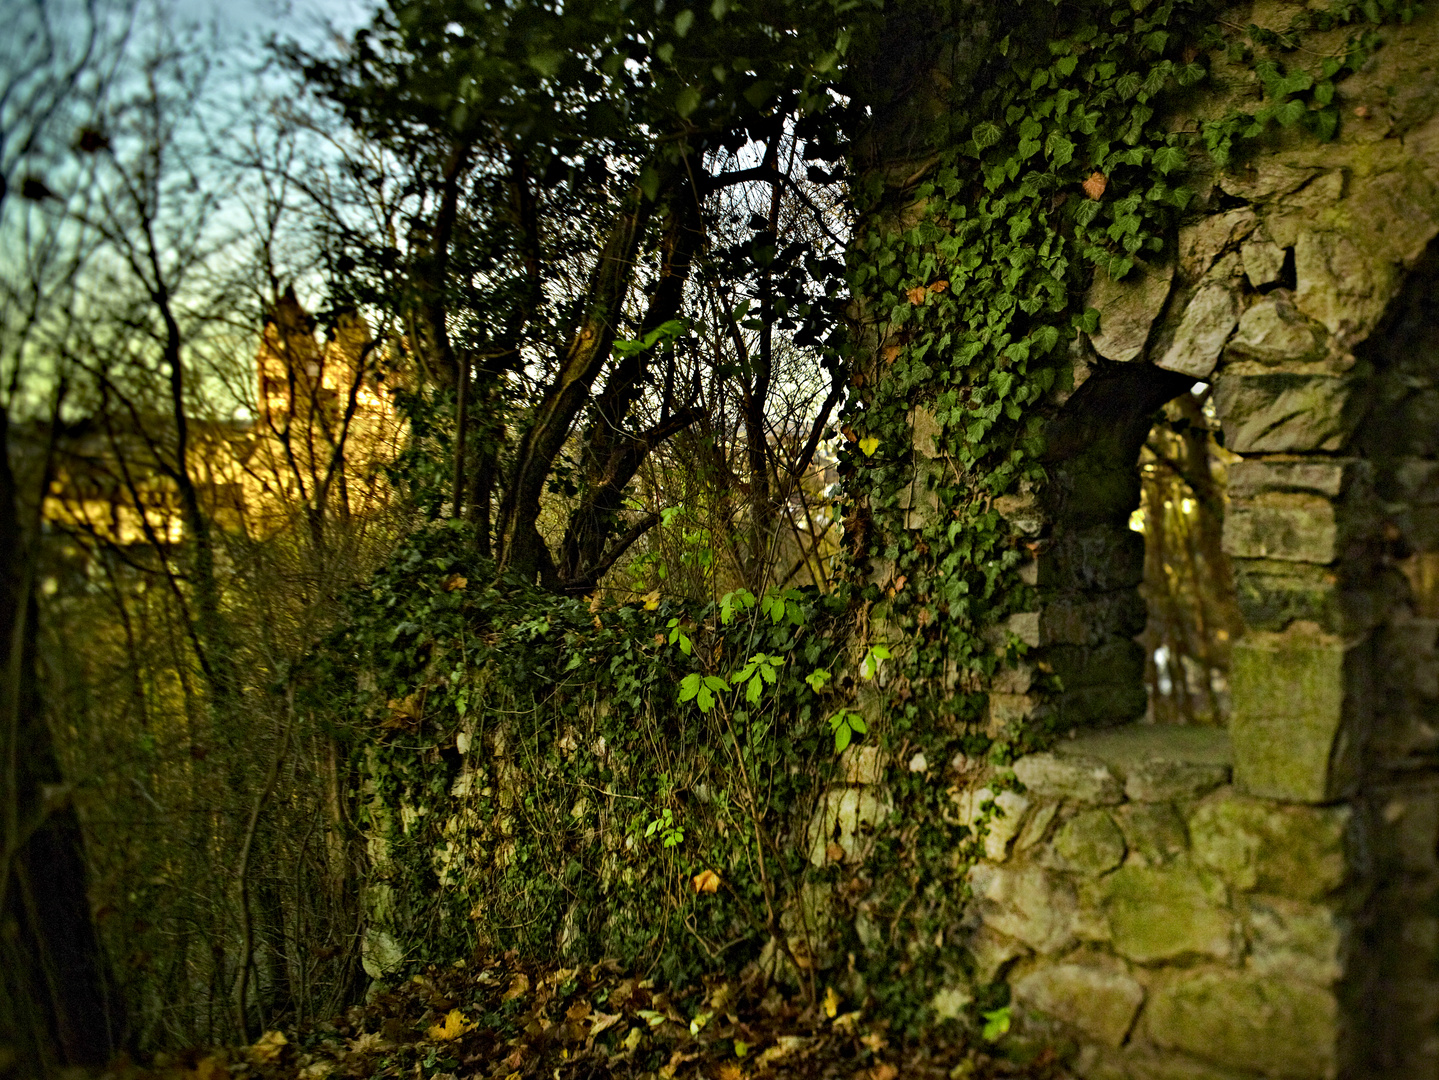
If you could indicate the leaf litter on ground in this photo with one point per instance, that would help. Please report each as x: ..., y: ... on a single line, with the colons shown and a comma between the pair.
x: 505, y: 1018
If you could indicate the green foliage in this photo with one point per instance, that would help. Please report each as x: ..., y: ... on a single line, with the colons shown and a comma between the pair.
x: 532, y: 775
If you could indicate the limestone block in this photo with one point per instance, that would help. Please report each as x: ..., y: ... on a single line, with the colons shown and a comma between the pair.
x: 1162, y: 914
x: 1037, y: 825
x: 1284, y: 525
x: 927, y: 431
x: 1274, y: 331
x: 1265, y: 177
x: 1072, y: 776
x: 1102, y: 558
x: 991, y: 952
x: 1202, y: 242
x: 1273, y: 594
x: 1004, y: 821
x: 1330, y: 477
x: 1073, y: 618
x: 1286, y: 850
x: 1263, y: 261
x: 1102, y: 706
x: 1338, y: 284
x: 1102, y: 1063
x: 1285, y: 412
x: 1154, y: 833
x: 1242, y: 1020
x: 1159, y: 762
x: 1127, y: 309
x: 1293, y: 940
x: 863, y: 764
x: 847, y: 818
x: 1090, y: 842
x: 1027, y: 903
x: 1160, y: 781
x: 1417, y: 481
x: 1098, y: 1002
x: 1206, y: 325
x: 1295, y: 707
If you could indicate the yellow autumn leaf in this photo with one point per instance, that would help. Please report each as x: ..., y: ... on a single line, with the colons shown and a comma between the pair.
x: 652, y: 600
x: 268, y: 1047
x: 868, y: 445
x: 454, y: 1026
x: 706, y: 881
x: 831, y: 1002
x: 453, y: 582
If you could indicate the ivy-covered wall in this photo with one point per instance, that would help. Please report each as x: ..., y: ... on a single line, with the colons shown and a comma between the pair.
x: 1069, y: 216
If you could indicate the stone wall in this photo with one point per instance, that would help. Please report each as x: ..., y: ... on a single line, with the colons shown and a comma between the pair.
x: 1261, y: 901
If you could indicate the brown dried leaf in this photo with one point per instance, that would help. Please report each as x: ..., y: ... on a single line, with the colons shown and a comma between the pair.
x: 938, y: 286
x: 453, y: 582
x: 884, y: 1071
x: 1095, y: 185
x: 519, y: 986
x: 917, y: 294
x: 891, y: 353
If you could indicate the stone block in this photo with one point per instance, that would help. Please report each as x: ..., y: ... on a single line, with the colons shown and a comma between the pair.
x: 1098, y: 1002
x: 1163, y: 914
x: 1090, y: 843
x: 1028, y: 903
x: 1416, y: 480
x: 1071, y: 776
x: 1274, y: 331
x: 1101, y: 558
x: 1071, y: 618
x: 1101, y: 706
x: 1296, y: 706
x: 846, y: 817
x: 1263, y: 261
x: 991, y: 953
x: 1285, y: 412
x: 1293, y: 940
x: 1283, y: 525
x: 1102, y: 1063
x: 1127, y: 309
x: 1154, y: 833
x: 995, y: 817
x: 1330, y: 477
x: 863, y: 764
x: 927, y: 432
x: 1242, y: 1020
x: 1112, y: 659
x: 1207, y: 322
x: 1273, y: 594
x: 1036, y: 825
x: 1293, y: 851
x: 1160, y: 762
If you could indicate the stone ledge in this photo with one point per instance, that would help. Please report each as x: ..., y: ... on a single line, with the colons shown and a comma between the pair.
x: 1159, y: 762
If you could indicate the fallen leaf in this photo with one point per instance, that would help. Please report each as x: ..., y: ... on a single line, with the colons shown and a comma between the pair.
x: 873, y: 1041
x: 578, y: 1011
x: 884, y: 1071
x: 268, y: 1047
x: 706, y: 881
x: 214, y: 1068
x: 831, y: 1002
x: 833, y: 852
x: 891, y: 353
x: 652, y: 600
x: 917, y: 294
x: 603, y: 1022
x: 453, y: 1027
x: 519, y: 985
x: 786, y: 1046
x: 367, y: 1042
x: 1095, y: 185
x: 848, y: 1021
x: 453, y: 582
x: 318, y: 1071
x: 730, y: 1071
x: 938, y: 286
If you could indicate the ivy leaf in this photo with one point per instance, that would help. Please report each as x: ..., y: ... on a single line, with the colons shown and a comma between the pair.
x: 687, y: 101
x: 868, y: 445
x: 1168, y: 158
x: 683, y: 21
x: 1127, y: 85
x: 985, y: 135
x: 996, y: 1024
x: 650, y: 182
x: 1059, y: 149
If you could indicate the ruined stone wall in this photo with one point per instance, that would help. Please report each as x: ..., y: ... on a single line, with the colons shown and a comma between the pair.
x: 1261, y: 901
